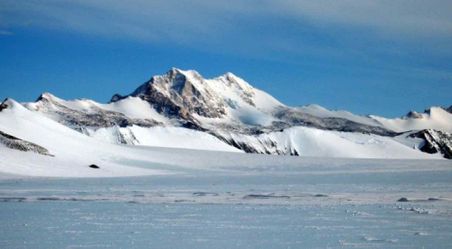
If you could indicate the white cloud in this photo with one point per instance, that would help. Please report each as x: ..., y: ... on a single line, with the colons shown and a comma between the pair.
x: 150, y: 20
x: 412, y: 17
x: 253, y: 26
x: 193, y: 19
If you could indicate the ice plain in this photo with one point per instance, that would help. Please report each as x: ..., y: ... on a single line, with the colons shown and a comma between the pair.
x: 249, y: 201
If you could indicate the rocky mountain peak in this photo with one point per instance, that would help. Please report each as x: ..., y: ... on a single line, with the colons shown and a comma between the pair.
x: 176, y: 72
x: 180, y: 93
x: 183, y: 82
x: 174, y: 80
x: 189, y: 87
x: 413, y: 114
x: 46, y: 96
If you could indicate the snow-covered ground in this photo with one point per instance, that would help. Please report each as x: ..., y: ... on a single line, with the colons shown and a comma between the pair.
x: 151, y: 197
x: 160, y: 136
x: 252, y: 201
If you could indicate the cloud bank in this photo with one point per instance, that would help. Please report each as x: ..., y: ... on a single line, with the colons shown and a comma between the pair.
x: 411, y: 34
x: 186, y: 21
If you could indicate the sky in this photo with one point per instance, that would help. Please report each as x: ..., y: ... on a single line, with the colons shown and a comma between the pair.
x: 369, y: 57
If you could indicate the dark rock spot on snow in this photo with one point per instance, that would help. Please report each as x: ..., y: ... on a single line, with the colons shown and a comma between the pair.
x: 51, y: 198
x: 93, y: 166
x: 265, y: 196
x: 77, y: 199
x: 12, y: 199
x: 48, y: 199
x: 180, y: 200
x: 205, y: 194
x: 403, y: 199
x: 320, y: 195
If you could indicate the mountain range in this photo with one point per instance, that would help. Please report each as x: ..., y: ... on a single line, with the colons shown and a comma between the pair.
x: 182, y: 109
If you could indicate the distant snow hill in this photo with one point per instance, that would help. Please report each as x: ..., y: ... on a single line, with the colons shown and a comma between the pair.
x: 181, y: 109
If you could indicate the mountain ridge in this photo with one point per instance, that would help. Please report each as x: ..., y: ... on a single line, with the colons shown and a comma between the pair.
x: 234, y: 112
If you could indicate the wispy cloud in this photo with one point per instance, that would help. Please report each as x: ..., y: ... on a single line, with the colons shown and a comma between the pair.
x: 149, y: 20
x: 405, y: 17
x: 188, y: 20
x: 5, y: 32
x: 286, y: 28
x: 354, y: 40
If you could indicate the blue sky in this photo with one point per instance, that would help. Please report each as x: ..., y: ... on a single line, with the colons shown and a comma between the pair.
x: 368, y: 57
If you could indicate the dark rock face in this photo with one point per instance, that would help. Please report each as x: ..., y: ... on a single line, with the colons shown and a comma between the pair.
x: 256, y: 145
x: 449, y: 109
x: 435, y: 142
x: 413, y: 114
x: 176, y: 96
x: 161, y: 103
x: 296, y: 118
x: 3, y: 105
x: 22, y: 145
x: 100, y: 118
x: 116, y: 97
x: 93, y: 166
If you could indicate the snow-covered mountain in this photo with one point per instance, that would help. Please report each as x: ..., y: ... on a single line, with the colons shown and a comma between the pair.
x: 181, y: 109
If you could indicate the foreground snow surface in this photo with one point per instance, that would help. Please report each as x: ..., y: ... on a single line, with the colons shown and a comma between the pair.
x: 247, y: 201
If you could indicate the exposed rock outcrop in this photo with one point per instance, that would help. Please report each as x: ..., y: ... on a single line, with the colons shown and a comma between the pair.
x: 78, y: 120
x: 181, y: 94
x: 293, y: 117
x: 413, y: 114
x: 22, y: 145
x: 435, y: 142
x: 3, y: 106
x: 449, y: 109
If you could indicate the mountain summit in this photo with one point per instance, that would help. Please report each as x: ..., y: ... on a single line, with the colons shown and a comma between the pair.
x: 187, y: 94
x: 183, y: 109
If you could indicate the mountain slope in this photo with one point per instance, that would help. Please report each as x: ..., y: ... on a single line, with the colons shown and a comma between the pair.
x: 72, y: 152
x: 58, y: 151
